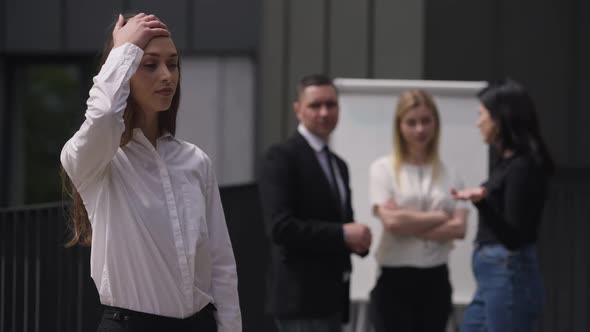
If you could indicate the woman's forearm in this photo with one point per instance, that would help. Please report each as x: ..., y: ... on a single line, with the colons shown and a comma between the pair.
x: 411, y: 222
x: 454, y: 228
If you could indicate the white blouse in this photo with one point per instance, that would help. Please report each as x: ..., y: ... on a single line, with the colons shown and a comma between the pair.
x: 415, y: 190
x: 160, y: 242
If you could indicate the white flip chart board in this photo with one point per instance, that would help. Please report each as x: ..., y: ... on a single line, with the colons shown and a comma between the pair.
x: 364, y: 133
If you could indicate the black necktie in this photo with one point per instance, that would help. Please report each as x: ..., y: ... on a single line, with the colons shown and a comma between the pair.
x: 333, y: 181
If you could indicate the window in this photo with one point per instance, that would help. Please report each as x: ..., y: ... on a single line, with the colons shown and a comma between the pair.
x: 46, y: 103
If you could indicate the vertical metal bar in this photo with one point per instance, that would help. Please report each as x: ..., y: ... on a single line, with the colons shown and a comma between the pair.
x: 69, y: 273
x: 38, y: 224
x: 586, y: 296
x: 57, y: 231
x: 26, y: 270
x: 80, y: 288
x: 3, y: 253
x: 14, y: 270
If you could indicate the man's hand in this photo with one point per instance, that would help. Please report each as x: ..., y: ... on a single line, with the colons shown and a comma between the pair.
x: 138, y: 30
x: 357, y: 237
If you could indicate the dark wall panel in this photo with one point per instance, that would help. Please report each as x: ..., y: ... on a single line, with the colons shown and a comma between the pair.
x: 343, y: 38
x: 33, y: 26
x: 307, y: 46
x: 2, y: 25
x: 87, y: 21
x: 272, y: 74
x: 398, y: 39
x: 348, y: 38
x: 70, y: 26
x: 536, y: 49
x: 564, y: 252
x: 539, y: 43
x: 579, y: 133
x: 227, y: 25
x: 3, y: 132
x: 460, y: 40
x: 174, y: 14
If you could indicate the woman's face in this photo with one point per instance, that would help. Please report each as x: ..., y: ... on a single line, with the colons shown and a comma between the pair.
x: 154, y: 83
x: 418, y: 127
x: 487, y: 125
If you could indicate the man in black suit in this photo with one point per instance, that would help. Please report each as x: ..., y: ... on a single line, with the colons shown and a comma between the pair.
x: 305, y: 196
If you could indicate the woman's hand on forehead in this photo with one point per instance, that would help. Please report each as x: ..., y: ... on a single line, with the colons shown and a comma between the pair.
x: 138, y: 30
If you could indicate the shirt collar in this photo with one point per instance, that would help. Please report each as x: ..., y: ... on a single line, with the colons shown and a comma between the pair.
x: 166, y: 134
x: 314, y: 141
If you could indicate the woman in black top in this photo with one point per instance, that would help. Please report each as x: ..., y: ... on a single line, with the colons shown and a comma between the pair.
x: 509, y: 284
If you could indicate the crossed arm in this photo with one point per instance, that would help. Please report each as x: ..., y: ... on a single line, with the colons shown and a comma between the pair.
x: 436, y: 225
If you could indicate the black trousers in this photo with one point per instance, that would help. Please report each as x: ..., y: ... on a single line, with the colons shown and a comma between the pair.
x: 123, y: 320
x: 408, y: 299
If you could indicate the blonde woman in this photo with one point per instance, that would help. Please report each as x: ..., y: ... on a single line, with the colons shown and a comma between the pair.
x: 410, y: 194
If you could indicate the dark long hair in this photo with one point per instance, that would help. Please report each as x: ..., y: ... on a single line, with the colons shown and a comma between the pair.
x: 513, y: 110
x: 78, y: 222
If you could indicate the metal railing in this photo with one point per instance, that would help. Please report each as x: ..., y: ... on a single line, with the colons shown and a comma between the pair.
x: 43, y: 285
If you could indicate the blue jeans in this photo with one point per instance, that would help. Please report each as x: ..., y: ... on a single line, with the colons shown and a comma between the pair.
x: 328, y: 324
x: 509, y: 295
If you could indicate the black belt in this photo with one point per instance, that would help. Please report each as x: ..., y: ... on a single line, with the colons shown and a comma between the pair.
x: 122, y: 314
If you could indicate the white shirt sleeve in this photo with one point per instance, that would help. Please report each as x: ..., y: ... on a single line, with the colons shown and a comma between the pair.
x: 380, y: 182
x: 224, y: 277
x: 87, y: 154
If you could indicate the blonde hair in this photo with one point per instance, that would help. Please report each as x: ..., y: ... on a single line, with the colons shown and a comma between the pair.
x: 408, y: 101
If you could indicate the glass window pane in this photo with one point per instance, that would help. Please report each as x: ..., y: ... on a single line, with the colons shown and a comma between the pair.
x: 48, y: 107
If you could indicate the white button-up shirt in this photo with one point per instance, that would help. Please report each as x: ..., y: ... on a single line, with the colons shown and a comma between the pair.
x: 414, y: 189
x: 160, y: 242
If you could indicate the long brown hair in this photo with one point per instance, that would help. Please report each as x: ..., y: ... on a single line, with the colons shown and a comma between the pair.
x: 408, y: 101
x: 78, y: 222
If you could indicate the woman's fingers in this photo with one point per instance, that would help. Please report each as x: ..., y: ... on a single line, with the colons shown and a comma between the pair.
x: 139, y: 30
x: 120, y: 22
x: 138, y: 16
x: 390, y: 204
x: 156, y: 24
x: 461, y: 194
x: 159, y: 32
x: 472, y: 194
x: 456, y: 194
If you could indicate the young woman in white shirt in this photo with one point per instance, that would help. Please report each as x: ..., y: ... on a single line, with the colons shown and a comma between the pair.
x: 410, y: 193
x: 146, y: 201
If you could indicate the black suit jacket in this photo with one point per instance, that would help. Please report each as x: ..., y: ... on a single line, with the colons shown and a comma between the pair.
x: 310, y: 262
